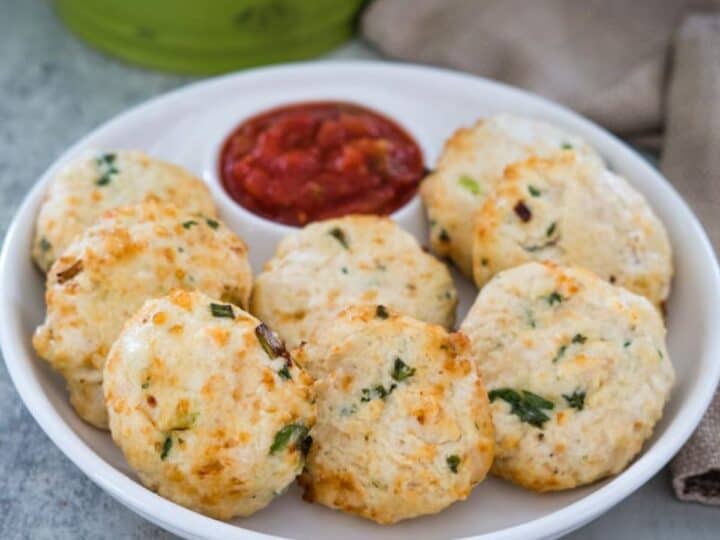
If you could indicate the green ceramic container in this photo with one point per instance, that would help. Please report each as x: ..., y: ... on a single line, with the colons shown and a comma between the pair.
x: 211, y: 36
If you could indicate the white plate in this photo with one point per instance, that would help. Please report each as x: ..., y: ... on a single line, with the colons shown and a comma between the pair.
x: 186, y: 127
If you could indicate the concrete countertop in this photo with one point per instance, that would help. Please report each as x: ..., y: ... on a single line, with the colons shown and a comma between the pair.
x: 53, y: 90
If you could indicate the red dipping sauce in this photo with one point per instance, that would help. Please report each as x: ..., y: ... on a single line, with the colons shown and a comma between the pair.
x: 313, y: 161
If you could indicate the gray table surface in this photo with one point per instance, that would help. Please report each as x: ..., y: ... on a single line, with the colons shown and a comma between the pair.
x: 54, y: 89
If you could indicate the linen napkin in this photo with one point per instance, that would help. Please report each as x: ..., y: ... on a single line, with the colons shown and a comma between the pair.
x: 691, y: 160
x: 635, y: 67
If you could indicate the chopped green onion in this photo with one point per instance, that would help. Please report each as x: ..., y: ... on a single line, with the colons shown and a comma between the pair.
x: 453, y: 462
x: 284, y: 373
x: 222, y: 310
x: 560, y: 353
x: 469, y: 183
x: 401, y: 370
x: 106, y: 164
x: 291, y: 432
x: 576, y: 400
x: 338, y: 234
x: 167, y: 445
x: 526, y: 406
x: 551, y: 229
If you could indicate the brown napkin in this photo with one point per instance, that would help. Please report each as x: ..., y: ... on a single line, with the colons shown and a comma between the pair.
x: 691, y: 160
x: 633, y: 66
x: 604, y: 58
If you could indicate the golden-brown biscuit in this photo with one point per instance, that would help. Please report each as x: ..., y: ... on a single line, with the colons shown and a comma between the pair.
x: 332, y: 264
x: 576, y: 369
x: 130, y: 255
x: 206, y: 405
x: 87, y: 187
x: 470, y: 165
x: 403, y: 426
x: 572, y: 211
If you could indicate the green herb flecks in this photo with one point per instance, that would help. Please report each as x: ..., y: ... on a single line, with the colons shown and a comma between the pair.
x: 348, y: 411
x: 338, y: 234
x: 284, y: 373
x: 543, y: 245
x: 381, y: 312
x: 551, y: 229
x: 106, y: 166
x: 167, y: 445
x: 535, y: 192
x: 469, y: 183
x: 554, y: 298
x: 577, y: 339
x: 527, y: 406
x: 212, y: 223
x: 401, y: 370
x: 453, y: 462
x: 530, y: 316
x: 288, y: 436
x: 344, y: 270
x: 576, y: 400
x: 376, y: 392
x: 627, y: 344
x: 560, y: 352
x: 45, y: 245
x: 189, y: 223
x: 222, y: 310
x: 567, y: 146
x: 146, y: 384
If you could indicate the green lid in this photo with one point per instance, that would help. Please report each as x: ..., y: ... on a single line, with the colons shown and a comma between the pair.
x: 211, y: 36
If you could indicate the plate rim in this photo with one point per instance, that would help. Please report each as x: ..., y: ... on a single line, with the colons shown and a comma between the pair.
x: 169, y: 515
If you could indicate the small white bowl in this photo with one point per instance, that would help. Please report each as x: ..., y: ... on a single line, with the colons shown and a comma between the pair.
x: 250, y: 225
x: 186, y: 126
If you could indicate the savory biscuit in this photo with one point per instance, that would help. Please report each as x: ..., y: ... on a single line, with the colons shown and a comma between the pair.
x: 577, y: 372
x: 573, y: 211
x: 130, y: 255
x: 403, y: 426
x: 331, y: 264
x: 470, y: 165
x: 89, y: 186
x: 206, y: 405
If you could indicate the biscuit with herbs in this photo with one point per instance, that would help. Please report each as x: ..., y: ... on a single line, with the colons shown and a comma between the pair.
x: 577, y: 371
x: 130, y: 255
x: 88, y: 186
x: 207, y: 405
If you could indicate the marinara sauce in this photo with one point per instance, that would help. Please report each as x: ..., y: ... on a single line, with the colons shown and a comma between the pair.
x: 311, y: 161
